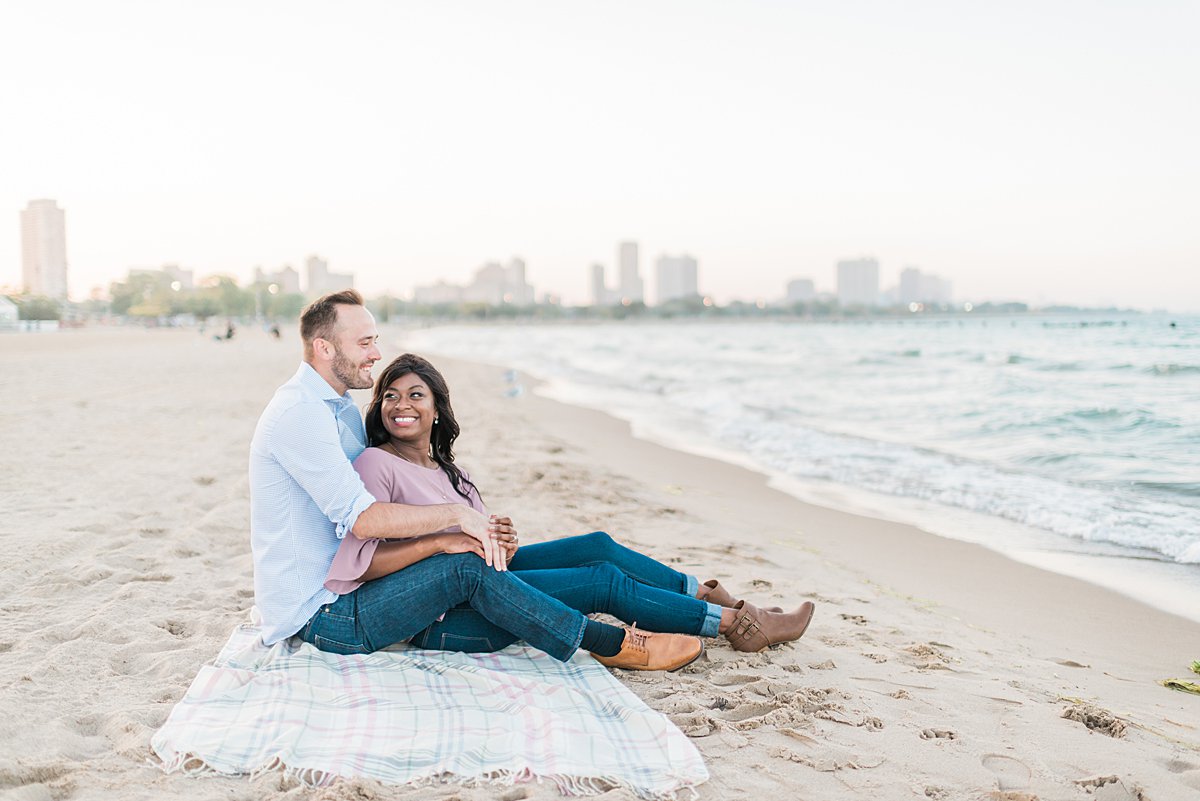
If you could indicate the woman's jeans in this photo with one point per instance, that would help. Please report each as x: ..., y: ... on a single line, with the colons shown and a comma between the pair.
x: 542, y: 599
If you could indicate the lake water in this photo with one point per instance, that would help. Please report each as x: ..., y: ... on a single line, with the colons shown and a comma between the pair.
x: 1036, y: 435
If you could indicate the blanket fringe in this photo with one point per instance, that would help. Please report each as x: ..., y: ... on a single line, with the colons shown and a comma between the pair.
x: 571, y: 786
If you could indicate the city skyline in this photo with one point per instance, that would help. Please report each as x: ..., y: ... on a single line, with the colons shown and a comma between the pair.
x: 1025, y: 152
x: 857, y: 281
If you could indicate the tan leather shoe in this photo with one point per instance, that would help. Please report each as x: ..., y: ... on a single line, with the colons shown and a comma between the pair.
x: 647, y: 650
x: 714, y: 593
x: 754, y: 629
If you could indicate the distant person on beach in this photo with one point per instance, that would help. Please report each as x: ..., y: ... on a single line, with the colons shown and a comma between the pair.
x: 411, y: 426
x: 305, y: 497
x: 229, y: 332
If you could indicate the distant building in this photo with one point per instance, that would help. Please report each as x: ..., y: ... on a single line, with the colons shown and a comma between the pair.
x: 496, y: 284
x: 918, y: 287
x: 321, y: 281
x: 519, y: 290
x: 629, y: 285
x: 44, y: 249
x: 493, y: 284
x: 858, y: 282
x: 437, y: 294
x: 286, y: 278
x: 677, y: 277
x: 601, y: 295
x: 801, y: 290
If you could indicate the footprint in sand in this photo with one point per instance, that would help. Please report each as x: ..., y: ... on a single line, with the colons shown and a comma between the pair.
x: 938, y: 734
x: 1110, y: 788
x: 729, y: 679
x: 1097, y: 719
x: 1011, y: 774
x: 176, y: 628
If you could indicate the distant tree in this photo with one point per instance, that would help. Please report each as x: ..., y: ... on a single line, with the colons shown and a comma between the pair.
x: 233, y: 300
x: 286, y: 307
x: 37, y: 307
x: 142, y: 295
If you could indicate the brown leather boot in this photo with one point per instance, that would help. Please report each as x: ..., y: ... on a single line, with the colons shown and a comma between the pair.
x: 647, y: 650
x: 714, y: 593
x: 754, y: 629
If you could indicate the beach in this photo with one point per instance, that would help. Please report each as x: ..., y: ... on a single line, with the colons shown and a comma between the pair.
x: 934, y: 668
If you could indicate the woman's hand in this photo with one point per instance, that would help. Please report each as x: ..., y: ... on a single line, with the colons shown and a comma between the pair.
x: 478, y: 527
x: 459, y: 543
x: 504, y: 535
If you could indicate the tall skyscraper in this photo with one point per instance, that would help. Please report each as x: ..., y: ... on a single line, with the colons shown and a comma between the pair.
x: 599, y: 288
x: 629, y: 286
x: 518, y: 290
x: 858, y: 282
x: 677, y: 278
x: 44, y: 249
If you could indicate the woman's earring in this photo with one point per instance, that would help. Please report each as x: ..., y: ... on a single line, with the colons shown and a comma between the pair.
x: 435, y: 421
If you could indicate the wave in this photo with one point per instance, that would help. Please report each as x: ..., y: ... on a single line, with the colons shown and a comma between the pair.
x: 1174, y: 369
x: 1183, y: 489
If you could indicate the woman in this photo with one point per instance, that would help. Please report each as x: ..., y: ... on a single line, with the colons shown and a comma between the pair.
x: 410, y: 424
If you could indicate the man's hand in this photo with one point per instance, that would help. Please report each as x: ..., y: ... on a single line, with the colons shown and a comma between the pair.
x: 505, y: 536
x: 475, y: 525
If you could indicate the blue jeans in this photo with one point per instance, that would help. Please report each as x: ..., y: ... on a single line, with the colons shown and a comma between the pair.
x: 541, y: 600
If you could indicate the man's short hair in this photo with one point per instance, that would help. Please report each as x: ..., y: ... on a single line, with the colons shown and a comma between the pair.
x: 319, y: 320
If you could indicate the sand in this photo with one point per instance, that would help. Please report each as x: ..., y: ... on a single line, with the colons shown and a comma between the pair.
x: 934, y: 669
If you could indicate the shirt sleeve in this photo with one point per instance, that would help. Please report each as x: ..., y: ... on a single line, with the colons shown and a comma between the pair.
x: 306, y: 444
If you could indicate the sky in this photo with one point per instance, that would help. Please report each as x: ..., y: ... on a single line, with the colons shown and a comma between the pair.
x: 1036, y: 151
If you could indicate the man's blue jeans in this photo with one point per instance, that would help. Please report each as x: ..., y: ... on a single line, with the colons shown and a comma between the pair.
x: 542, y: 600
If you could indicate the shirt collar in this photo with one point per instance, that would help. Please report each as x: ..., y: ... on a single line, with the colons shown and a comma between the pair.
x: 312, y: 381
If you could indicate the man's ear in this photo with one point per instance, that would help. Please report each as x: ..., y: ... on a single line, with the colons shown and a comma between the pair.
x: 322, y: 349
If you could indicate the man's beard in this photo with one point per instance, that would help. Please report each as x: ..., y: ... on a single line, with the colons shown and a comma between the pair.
x: 345, y: 371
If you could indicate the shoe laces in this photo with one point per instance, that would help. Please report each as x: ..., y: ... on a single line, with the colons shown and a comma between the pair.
x: 637, y: 637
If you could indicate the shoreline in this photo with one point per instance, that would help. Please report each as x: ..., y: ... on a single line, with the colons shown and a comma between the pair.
x: 1152, y: 580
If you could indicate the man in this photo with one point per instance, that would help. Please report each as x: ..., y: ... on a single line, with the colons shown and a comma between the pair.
x: 305, y: 496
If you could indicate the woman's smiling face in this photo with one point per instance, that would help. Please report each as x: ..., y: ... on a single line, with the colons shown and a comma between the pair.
x: 408, y: 409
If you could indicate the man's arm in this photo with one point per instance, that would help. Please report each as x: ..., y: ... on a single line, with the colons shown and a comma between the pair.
x: 401, y: 520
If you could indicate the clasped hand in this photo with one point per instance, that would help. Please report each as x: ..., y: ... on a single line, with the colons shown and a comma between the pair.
x: 493, y: 539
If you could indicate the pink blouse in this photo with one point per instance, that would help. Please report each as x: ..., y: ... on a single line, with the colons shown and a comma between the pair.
x: 391, y: 479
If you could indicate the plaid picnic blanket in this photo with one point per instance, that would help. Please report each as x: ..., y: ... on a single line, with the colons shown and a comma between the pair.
x: 408, y: 715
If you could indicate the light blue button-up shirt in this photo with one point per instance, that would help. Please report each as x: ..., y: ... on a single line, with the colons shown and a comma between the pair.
x: 304, y: 497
